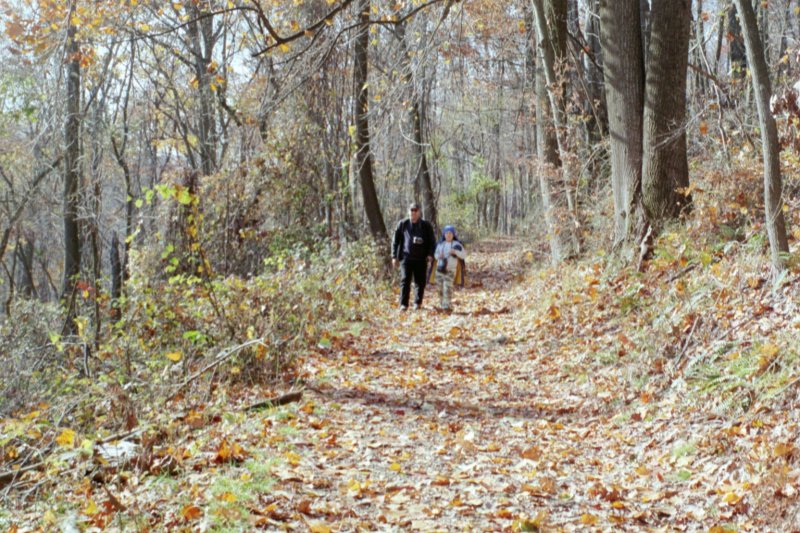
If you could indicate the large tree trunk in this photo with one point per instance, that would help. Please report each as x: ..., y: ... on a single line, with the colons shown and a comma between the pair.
x: 666, y: 167
x: 550, y: 19
x: 623, y: 71
x: 363, y: 155
x: 72, y: 152
x: 773, y: 186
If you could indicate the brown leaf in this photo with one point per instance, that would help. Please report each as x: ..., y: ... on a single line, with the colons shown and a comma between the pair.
x: 533, y: 453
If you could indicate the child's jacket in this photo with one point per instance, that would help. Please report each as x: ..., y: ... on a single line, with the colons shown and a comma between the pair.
x: 455, y: 265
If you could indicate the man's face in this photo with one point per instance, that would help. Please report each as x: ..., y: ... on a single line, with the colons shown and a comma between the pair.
x: 413, y: 213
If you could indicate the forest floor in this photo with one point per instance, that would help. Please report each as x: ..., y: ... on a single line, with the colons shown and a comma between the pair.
x: 505, y: 415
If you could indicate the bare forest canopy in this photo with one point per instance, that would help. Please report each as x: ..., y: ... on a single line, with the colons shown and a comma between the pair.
x: 285, y: 121
x: 198, y: 192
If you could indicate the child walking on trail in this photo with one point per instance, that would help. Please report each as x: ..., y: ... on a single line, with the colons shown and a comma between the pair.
x: 449, y: 256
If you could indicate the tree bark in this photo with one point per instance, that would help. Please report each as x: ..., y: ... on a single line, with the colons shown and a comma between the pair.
x: 738, y: 55
x: 422, y: 175
x: 550, y: 20
x: 623, y: 71
x: 363, y: 154
x: 773, y: 186
x: 72, y: 152
x: 666, y: 168
x: 201, y: 41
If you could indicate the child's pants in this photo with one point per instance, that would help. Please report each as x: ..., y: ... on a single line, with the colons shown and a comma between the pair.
x: 445, y: 282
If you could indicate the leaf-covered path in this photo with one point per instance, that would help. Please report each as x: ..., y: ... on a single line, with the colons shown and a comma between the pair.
x: 474, y: 421
x: 533, y: 407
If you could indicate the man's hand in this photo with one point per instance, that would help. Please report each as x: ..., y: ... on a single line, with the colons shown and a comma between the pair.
x: 394, y: 262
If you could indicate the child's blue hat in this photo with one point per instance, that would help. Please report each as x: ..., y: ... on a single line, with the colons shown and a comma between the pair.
x: 450, y: 229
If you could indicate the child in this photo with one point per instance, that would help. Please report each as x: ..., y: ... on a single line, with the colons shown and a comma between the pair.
x: 449, y: 255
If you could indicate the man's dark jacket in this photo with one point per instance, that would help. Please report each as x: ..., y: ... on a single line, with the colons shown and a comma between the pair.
x: 413, y: 241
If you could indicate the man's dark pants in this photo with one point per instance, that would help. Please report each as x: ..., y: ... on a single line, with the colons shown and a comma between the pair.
x: 418, y: 270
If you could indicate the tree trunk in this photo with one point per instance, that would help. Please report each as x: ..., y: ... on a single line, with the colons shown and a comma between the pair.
x: 201, y: 41
x: 773, y: 186
x: 593, y: 65
x: 738, y: 56
x: 363, y: 155
x: 116, y: 277
x: 551, y: 28
x: 72, y: 152
x: 623, y: 71
x: 422, y: 176
x: 666, y: 167
x: 700, y: 81
x: 25, y: 251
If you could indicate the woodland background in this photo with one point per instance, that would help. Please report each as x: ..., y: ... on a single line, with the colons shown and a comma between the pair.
x: 203, y: 191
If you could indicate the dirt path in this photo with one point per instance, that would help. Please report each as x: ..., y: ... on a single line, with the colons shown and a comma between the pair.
x: 469, y: 421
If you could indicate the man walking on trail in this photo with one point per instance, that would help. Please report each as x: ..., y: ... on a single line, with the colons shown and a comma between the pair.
x: 412, y: 248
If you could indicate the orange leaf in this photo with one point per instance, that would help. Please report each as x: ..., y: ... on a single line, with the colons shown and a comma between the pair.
x: 533, y: 453
x: 191, y: 512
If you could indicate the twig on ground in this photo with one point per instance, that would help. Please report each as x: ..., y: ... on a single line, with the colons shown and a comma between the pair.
x: 278, y: 400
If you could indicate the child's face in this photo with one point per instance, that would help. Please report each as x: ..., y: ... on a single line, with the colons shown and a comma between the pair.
x: 448, y: 236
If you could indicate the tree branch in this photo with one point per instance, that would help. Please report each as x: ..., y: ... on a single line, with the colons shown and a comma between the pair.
x: 21, y: 207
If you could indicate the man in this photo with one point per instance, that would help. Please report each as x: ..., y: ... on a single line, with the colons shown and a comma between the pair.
x: 412, y: 248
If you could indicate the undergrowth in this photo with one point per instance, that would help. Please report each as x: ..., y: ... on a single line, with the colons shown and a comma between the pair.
x: 174, y: 325
x: 704, y: 319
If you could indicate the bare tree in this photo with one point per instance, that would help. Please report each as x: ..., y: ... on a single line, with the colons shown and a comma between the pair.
x: 363, y: 155
x: 773, y: 183
x: 72, y: 163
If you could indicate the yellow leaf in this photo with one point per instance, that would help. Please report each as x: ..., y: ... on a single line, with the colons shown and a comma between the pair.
x: 90, y: 509
x: 731, y: 498
x: 395, y: 467
x: 770, y: 350
x: 782, y: 449
x: 589, y: 519
x: 293, y: 458
x: 174, y: 356
x: 319, y: 527
x: 66, y: 439
x: 227, y: 497
x: 284, y: 47
x: 49, y: 518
